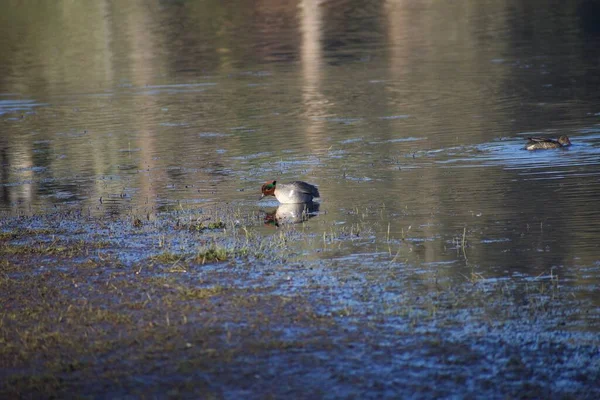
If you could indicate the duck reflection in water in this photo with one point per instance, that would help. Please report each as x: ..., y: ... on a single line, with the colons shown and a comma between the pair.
x: 292, y: 213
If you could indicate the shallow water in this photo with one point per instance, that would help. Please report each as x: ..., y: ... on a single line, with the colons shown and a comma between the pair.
x: 409, y: 116
x: 384, y: 105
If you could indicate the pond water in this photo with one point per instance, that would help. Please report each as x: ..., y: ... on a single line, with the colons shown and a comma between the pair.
x: 410, y: 117
x: 390, y: 107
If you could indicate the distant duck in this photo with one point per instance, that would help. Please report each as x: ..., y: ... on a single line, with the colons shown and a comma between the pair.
x: 537, y: 143
x: 290, y: 193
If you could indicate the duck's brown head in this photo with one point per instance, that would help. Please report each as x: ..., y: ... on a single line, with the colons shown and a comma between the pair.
x: 564, y: 140
x: 268, y: 189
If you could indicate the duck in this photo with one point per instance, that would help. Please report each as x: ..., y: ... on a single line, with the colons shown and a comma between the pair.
x: 537, y: 143
x: 290, y: 193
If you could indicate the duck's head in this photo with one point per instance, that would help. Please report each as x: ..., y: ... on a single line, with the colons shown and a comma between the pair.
x: 268, y: 189
x: 564, y: 140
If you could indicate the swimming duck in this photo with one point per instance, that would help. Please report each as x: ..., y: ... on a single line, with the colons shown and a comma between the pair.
x: 537, y: 143
x: 290, y: 193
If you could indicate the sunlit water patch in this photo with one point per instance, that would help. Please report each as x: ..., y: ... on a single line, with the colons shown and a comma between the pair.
x: 15, y: 106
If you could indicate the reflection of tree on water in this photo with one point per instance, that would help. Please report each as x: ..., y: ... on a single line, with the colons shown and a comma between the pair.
x: 292, y: 213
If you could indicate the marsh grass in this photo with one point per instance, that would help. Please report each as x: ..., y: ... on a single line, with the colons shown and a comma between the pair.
x: 199, y: 226
x: 6, y: 266
x: 167, y: 258
x: 200, y: 293
x: 203, y: 255
x: 20, y: 233
x: 111, y: 317
x: 213, y: 253
x: 58, y: 248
